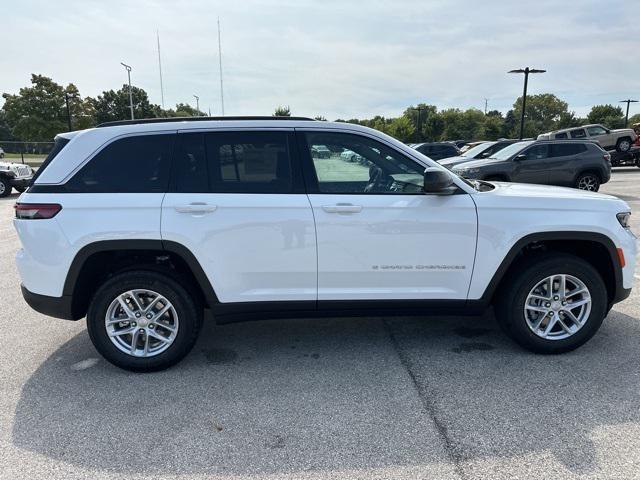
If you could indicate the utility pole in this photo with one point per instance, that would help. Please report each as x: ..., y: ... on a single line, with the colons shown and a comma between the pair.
x: 526, y: 72
x: 626, y: 118
x: 220, y: 60
x: 486, y: 101
x: 66, y: 100
x: 419, y: 123
x: 128, y: 68
x: 197, y: 105
x: 160, y: 69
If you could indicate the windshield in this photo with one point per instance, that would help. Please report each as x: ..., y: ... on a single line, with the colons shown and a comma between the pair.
x: 478, y: 149
x: 509, y: 151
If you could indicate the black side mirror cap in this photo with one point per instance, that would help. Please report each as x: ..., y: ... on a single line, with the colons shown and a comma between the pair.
x: 522, y: 156
x: 438, y: 182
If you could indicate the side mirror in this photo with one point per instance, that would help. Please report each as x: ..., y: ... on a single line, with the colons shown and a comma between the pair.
x: 438, y: 182
x: 520, y: 157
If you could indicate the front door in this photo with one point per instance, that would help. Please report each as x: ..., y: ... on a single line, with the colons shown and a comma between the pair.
x: 380, y: 237
x: 237, y: 201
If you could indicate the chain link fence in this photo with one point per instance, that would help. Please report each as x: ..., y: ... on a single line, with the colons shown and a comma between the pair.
x: 30, y: 153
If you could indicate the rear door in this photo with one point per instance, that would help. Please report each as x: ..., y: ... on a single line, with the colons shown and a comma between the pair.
x: 564, y: 162
x: 237, y: 201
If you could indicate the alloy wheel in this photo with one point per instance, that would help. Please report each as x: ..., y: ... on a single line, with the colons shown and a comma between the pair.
x: 141, y: 323
x: 589, y: 183
x: 557, y: 307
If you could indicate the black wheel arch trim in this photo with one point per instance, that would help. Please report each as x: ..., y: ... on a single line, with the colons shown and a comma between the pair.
x: 619, y: 293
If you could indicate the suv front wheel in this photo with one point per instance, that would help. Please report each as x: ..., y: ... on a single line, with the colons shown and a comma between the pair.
x: 588, y: 181
x: 143, y: 321
x: 552, y: 303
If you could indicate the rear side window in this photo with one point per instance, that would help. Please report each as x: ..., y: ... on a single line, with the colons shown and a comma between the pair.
x: 567, y: 149
x: 562, y: 135
x: 233, y: 162
x: 137, y: 164
x: 57, y: 148
x: 579, y: 133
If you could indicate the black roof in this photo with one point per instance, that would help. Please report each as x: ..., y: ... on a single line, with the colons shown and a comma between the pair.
x: 195, y: 119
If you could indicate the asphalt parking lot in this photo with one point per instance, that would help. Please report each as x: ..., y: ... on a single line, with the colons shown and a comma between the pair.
x: 336, y: 398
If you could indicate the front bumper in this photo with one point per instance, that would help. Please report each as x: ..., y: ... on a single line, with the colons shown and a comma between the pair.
x: 21, y: 182
x: 58, y: 307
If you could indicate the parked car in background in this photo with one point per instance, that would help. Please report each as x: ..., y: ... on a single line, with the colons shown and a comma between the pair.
x: 350, y: 156
x: 482, y: 150
x: 470, y: 145
x: 1, y: 153
x: 320, y: 151
x: 619, y: 139
x: 14, y: 175
x: 438, y: 150
x: 579, y: 164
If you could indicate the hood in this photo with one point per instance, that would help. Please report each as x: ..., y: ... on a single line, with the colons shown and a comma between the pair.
x: 481, y: 162
x: 555, y: 199
x: 622, y: 130
x: 452, y: 161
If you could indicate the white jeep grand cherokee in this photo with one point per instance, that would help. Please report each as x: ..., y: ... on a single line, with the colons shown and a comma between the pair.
x: 143, y: 227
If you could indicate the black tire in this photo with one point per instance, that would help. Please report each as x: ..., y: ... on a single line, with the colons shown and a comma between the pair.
x: 5, y: 187
x: 623, y: 144
x: 188, y: 311
x: 510, y: 301
x: 20, y: 189
x: 588, y: 181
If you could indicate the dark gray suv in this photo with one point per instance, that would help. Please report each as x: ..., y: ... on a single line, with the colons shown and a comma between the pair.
x: 571, y: 163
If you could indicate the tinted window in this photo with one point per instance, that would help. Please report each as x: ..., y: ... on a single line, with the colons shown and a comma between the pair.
x: 567, y: 149
x: 562, y: 135
x: 190, y: 167
x: 363, y: 165
x: 133, y: 164
x: 579, y: 133
x: 537, y: 152
x: 248, y: 162
x: 57, y: 148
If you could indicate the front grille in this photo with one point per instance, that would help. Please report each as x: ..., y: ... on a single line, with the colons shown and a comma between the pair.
x: 23, y: 171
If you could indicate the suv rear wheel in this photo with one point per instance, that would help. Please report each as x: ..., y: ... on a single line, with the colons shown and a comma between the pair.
x: 624, y: 144
x: 143, y: 321
x: 588, y: 181
x: 553, y: 303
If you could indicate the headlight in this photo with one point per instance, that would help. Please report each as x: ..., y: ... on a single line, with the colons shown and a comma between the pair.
x: 623, y: 218
x: 467, y: 171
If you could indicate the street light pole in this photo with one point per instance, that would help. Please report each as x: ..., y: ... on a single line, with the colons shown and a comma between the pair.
x: 197, y: 105
x: 130, y: 94
x: 526, y: 72
x: 419, y: 123
x: 626, y: 118
x: 66, y: 101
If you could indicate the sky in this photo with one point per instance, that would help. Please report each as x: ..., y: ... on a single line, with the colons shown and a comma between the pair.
x: 340, y: 59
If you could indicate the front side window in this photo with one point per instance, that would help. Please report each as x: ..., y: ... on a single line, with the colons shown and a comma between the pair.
x: 513, y: 149
x: 561, y: 135
x: 358, y: 164
x: 137, y: 164
x: 537, y: 152
x: 595, y: 131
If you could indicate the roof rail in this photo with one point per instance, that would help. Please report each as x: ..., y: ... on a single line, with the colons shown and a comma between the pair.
x: 195, y: 119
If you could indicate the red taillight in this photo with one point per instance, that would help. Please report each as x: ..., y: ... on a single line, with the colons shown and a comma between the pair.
x: 607, y: 157
x: 36, y: 211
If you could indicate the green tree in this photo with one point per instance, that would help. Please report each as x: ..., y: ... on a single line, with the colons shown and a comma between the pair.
x: 634, y: 119
x: 542, y: 115
x: 468, y: 125
x: 282, y: 111
x: 5, y: 131
x: 114, y: 105
x: 401, y: 128
x: 608, y: 115
x: 320, y: 118
x: 420, y: 116
x: 183, y: 110
x: 37, y: 113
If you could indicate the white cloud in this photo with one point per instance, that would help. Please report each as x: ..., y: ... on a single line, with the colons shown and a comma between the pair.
x: 335, y: 58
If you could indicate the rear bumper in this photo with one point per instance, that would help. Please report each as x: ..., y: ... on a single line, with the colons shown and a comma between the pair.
x: 58, y: 307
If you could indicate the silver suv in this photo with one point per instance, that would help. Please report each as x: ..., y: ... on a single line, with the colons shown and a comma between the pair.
x: 619, y: 139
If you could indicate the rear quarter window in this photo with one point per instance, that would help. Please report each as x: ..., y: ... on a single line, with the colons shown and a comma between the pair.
x: 138, y: 164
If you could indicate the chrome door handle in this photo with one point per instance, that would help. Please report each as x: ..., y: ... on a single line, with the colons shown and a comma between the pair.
x: 342, y: 208
x: 196, y: 207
